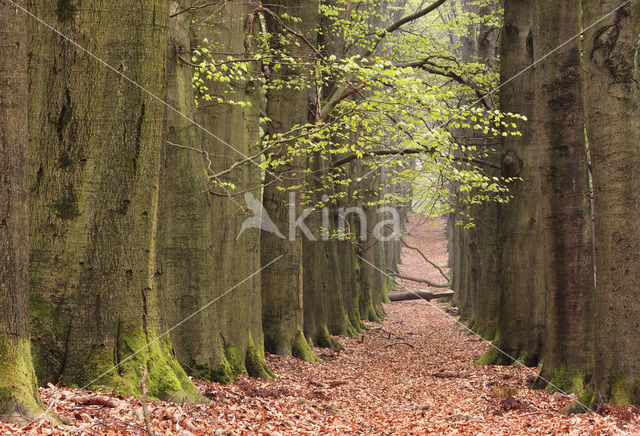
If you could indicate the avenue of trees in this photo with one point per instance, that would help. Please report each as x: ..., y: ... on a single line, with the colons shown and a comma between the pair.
x: 137, y: 139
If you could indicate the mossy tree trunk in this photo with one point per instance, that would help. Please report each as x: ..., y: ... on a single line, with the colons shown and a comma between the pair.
x: 569, y: 282
x: 19, y: 398
x: 282, y: 282
x: 612, y: 102
x: 95, y: 153
x: 200, y: 254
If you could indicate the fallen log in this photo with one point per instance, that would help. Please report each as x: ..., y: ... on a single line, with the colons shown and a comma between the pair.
x: 417, y: 280
x: 422, y: 294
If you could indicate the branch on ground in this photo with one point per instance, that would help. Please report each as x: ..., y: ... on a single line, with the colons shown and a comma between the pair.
x: 417, y: 280
x: 439, y: 268
x: 419, y: 295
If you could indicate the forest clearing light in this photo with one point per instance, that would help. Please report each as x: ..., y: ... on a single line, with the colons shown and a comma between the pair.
x: 386, y: 229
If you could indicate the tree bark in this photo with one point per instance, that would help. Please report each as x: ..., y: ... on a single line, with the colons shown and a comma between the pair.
x: 569, y: 283
x: 521, y: 222
x: 193, y: 221
x: 19, y: 398
x: 475, y: 258
x: 282, y: 282
x: 612, y: 102
x: 94, y: 177
x: 203, y: 253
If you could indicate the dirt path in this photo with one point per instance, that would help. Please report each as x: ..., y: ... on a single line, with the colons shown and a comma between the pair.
x: 414, y: 374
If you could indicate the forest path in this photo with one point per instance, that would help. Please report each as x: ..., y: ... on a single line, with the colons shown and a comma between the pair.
x: 413, y: 374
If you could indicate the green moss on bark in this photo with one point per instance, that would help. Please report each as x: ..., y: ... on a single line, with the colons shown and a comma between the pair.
x: 349, y: 329
x: 566, y: 380
x: 300, y: 348
x: 490, y: 331
x: 166, y: 380
x: 325, y: 340
x: 19, y: 397
x: 620, y: 394
x: 235, y: 360
x: 522, y: 359
x: 255, y: 363
x: 222, y: 372
x: 356, y: 317
x: 487, y: 331
x: 371, y: 314
x: 588, y: 397
x: 492, y: 356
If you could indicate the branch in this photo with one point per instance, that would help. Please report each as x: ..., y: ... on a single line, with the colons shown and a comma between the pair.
x: 145, y: 410
x: 425, y: 258
x: 289, y: 29
x: 402, y: 21
x: 417, y: 280
x: 421, y: 13
x: 432, y: 68
x: 419, y: 295
x: 340, y: 93
x: 387, y: 152
x: 192, y: 8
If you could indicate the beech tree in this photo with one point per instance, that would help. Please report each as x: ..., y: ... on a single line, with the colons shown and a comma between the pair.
x: 612, y: 100
x: 520, y: 231
x: 204, y: 252
x: 94, y: 177
x: 473, y: 250
x: 19, y: 398
x: 569, y: 281
x: 286, y: 108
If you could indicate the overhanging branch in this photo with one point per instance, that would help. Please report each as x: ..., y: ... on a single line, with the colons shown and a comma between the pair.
x: 388, y: 152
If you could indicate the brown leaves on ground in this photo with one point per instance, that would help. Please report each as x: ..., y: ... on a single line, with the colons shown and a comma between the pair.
x: 377, y: 385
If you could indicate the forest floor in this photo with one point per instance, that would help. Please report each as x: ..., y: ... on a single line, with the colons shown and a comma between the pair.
x: 413, y: 374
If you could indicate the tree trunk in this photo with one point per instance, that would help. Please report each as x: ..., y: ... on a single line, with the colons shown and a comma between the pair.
x: 95, y: 154
x: 371, y: 256
x: 19, y: 399
x: 475, y: 267
x: 202, y: 252
x: 612, y: 102
x: 521, y: 221
x: 282, y: 282
x: 569, y: 283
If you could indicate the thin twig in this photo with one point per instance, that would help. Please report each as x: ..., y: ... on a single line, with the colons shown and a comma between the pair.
x: 145, y: 410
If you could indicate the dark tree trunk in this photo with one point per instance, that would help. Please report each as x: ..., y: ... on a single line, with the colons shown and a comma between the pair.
x: 282, y: 282
x: 475, y: 252
x: 569, y: 283
x: 19, y: 399
x: 612, y: 102
x: 521, y: 222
